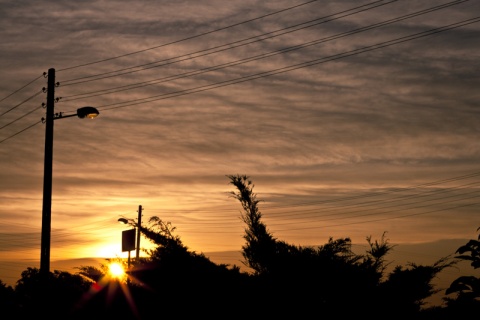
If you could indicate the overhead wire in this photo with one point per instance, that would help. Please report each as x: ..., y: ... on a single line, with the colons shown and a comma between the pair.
x: 282, y: 70
x: 321, y: 212
x: 21, y: 103
x: 17, y: 133
x: 387, y: 218
x: 273, y: 217
x: 19, y: 118
x: 228, y: 46
x: 396, y: 208
x: 283, y: 10
x: 390, y: 191
x: 249, y: 59
x: 188, y: 38
x: 345, y: 202
x: 220, y: 219
x: 200, y: 224
x: 277, y: 71
x: 19, y: 89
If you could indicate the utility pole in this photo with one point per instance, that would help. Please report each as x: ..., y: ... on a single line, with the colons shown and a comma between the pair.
x: 139, y: 223
x: 47, y: 176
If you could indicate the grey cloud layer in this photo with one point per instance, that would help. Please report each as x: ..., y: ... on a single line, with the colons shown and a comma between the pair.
x: 396, y: 114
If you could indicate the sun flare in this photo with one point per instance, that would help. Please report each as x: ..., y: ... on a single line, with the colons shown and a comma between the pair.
x: 116, y: 270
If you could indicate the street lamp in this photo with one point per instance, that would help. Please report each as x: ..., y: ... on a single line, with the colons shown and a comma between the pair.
x: 50, y: 116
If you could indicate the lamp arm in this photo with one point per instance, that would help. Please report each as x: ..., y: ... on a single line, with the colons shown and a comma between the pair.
x: 61, y: 116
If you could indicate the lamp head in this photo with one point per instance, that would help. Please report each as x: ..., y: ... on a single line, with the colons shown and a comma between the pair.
x: 87, y: 112
x: 123, y: 221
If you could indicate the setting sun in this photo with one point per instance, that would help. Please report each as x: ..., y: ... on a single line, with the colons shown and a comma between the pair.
x: 116, y: 270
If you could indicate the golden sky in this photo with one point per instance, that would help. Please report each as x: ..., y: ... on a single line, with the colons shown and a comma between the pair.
x: 352, y: 118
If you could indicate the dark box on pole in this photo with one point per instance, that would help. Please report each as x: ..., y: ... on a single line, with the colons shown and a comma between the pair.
x: 128, y: 240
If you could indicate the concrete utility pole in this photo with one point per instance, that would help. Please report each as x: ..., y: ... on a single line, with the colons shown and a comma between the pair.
x: 50, y: 116
x: 139, y: 222
x: 47, y: 176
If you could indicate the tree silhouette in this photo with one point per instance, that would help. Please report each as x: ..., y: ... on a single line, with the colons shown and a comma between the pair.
x: 407, y: 287
x: 286, y: 280
x: 54, y: 297
x: 174, y: 275
x: 466, y: 288
x: 329, y: 278
x: 7, y: 297
x: 261, y: 248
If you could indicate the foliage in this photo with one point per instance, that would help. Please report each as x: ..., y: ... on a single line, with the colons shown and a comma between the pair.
x: 329, y: 277
x: 407, y: 287
x: 261, y: 248
x: 466, y: 288
x: 55, y: 295
x: 7, y: 296
x: 173, y: 273
x: 91, y: 273
x: 287, y: 280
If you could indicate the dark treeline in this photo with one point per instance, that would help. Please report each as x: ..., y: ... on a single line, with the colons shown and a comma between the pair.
x: 286, y: 281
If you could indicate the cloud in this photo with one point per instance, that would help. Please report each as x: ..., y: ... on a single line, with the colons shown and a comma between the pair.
x: 194, y: 95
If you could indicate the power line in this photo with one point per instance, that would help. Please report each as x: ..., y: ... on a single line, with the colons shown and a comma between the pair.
x: 224, y: 47
x: 368, y: 6
x: 288, y: 68
x: 252, y: 58
x: 292, y: 67
x: 21, y: 103
x: 280, y: 70
x: 373, y: 194
x: 188, y: 38
x: 19, y: 118
x: 392, y: 208
x: 15, y: 134
x: 330, y: 212
x: 386, y: 218
x: 18, y: 90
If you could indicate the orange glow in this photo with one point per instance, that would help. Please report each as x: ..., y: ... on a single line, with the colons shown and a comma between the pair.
x: 116, y: 270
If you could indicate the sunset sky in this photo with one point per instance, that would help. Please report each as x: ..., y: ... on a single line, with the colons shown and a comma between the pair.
x: 352, y: 118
